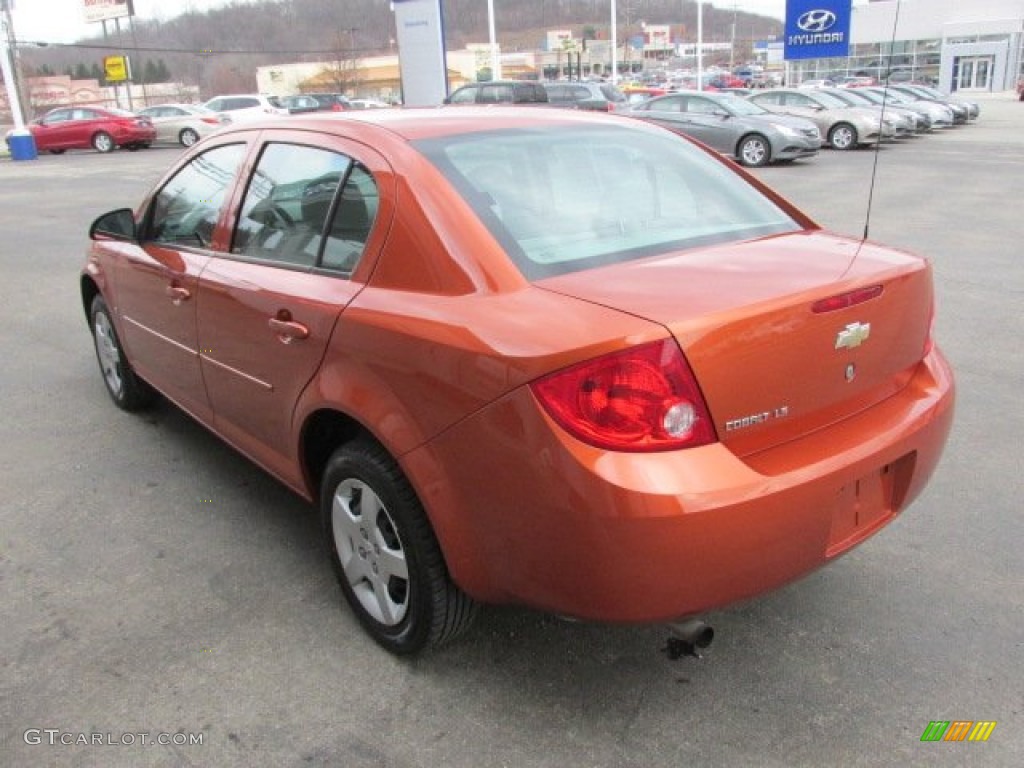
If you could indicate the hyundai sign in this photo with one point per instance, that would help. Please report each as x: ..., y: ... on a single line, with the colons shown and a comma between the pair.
x: 817, y: 29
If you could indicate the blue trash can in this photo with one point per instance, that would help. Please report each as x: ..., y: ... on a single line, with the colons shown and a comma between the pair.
x: 23, y: 146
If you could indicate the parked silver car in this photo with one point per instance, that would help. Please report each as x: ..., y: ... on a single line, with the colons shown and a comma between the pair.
x: 907, y: 123
x: 940, y: 114
x: 963, y: 111
x: 733, y: 126
x: 183, y: 124
x: 841, y: 126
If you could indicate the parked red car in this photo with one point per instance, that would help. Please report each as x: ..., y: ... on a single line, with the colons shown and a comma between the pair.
x: 91, y: 127
x: 544, y: 357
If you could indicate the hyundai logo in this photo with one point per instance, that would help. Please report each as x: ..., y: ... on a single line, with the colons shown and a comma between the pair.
x: 816, y: 21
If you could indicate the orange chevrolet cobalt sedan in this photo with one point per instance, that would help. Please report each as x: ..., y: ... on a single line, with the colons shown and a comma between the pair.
x: 569, y: 361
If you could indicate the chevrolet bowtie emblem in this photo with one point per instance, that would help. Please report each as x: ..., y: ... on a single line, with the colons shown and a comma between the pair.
x: 853, y: 335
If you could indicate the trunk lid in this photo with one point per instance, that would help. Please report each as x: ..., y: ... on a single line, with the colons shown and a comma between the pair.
x: 774, y: 361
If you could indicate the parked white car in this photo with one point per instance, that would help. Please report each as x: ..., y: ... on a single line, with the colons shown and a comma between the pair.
x: 183, y: 124
x: 246, y: 106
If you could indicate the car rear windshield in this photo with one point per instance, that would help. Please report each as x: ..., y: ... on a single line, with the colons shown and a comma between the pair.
x: 612, y: 93
x: 567, y: 198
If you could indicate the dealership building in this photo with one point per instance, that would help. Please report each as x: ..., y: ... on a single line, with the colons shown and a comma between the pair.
x: 955, y: 44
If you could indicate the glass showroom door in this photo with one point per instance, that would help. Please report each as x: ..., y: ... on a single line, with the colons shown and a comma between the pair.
x: 973, y: 73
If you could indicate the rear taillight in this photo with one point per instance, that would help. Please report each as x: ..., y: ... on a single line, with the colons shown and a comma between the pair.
x: 210, y: 120
x: 641, y: 399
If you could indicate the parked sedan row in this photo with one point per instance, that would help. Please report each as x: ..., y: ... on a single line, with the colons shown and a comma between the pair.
x: 733, y: 126
x: 784, y: 124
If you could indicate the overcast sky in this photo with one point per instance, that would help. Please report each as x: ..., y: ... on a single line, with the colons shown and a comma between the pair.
x: 60, y: 21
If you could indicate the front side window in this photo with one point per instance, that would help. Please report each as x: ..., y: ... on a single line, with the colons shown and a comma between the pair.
x: 768, y: 98
x: 700, y: 106
x: 568, y: 199
x: 186, y: 209
x: 57, y: 116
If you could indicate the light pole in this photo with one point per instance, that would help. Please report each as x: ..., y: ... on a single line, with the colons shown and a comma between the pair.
x: 700, y: 45
x: 615, y: 45
x: 495, y: 58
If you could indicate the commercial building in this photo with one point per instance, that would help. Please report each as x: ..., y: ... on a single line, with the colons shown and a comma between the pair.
x: 957, y: 45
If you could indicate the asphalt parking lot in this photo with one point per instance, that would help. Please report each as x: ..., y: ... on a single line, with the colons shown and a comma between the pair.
x: 154, y: 582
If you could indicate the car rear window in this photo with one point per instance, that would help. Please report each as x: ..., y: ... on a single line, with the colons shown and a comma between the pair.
x: 570, y: 198
x: 612, y: 93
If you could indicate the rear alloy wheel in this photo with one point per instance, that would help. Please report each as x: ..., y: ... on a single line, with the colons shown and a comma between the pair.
x: 385, y: 554
x: 842, y: 136
x: 102, y: 142
x: 128, y: 391
x: 188, y: 137
x: 754, y: 151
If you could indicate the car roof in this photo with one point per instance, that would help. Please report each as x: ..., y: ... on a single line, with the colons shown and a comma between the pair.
x: 429, y: 122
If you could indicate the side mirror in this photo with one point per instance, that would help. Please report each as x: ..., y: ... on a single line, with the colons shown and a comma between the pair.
x: 116, y: 225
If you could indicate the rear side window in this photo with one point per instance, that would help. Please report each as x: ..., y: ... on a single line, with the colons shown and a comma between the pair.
x: 352, y: 220
x: 287, y: 203
x: 306, y: 207
x: 240, y: 103
x: 186, y: 209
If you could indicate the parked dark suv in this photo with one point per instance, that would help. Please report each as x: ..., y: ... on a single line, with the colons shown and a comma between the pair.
x: 499, y: 92
x: 602, y: 97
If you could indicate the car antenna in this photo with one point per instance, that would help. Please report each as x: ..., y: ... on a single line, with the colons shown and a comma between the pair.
x: 881, y: 121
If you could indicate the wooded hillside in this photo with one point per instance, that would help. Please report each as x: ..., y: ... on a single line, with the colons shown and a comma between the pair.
x: 222, y: 47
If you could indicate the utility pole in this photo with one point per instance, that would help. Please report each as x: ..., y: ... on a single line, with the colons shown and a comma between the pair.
x: 732, y: 43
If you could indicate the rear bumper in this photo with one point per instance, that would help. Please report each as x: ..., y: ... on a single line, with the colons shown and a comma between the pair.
x: 135, y: 136
x: 526, y: 514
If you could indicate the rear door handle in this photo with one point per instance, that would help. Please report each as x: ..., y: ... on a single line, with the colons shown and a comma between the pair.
x: 177, y: 293
x: 288, y: 330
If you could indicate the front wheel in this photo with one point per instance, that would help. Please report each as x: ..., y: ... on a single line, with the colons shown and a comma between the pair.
x: 126, y: 389
x: 385, y: 554
x: 842, y: 136
x: 754, y: 151
x: 103, y: 142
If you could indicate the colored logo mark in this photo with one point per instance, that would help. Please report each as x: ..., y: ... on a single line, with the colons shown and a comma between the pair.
x: 958, y: 730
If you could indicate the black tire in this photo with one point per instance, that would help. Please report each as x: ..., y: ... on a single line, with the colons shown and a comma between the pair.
x: 103, y: 142
x: 390, y: 568
x: 188, y: 137
x: 754, y: 151
x: 843, y: 136
x: 126, y: 389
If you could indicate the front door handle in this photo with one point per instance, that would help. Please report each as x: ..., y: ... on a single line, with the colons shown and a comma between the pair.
x: 288, y: 330
x: 177, y: 293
